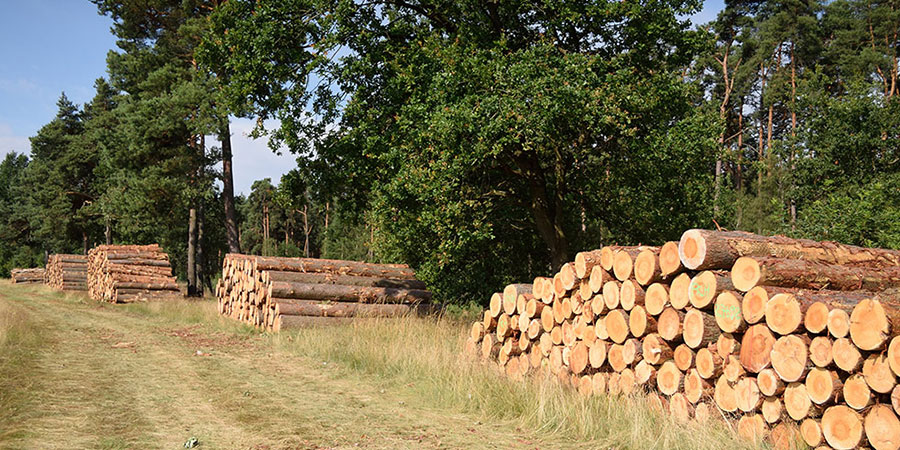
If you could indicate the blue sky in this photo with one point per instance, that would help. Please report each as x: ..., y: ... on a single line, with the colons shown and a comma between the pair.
x: 52, y: 46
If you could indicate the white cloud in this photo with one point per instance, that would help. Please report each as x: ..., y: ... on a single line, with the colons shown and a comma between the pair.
x: 9, y: 142
x: 253, y: 159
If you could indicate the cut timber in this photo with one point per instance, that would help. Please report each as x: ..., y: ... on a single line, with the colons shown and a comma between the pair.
x: 669, y: 261
x: 347, y: 293
x: 893, y: 355
x: 696, y: 387
x: 815, y: 319
x: 597, y: 353
x: 578, y: 360
x: 655, y: 349
x: 842, y: 427
x: 820, y: 351
x: 705, y: 249
x: 567, y: 276
x: 585, y: 263
x: 769, y: 383
x: 611, y: 292
x: 790, y: 357
x: 623, y: 261
x: 616, y: 357
x: 679, y: 291
x: 669, y: 324
x: 752, y: 271
x: 294, y: 322
x: 669, y: 378
x: 632, y: 352
x: 895, y: 399
x: 346, y: 280
x: 823, y: 386
x: 608, y: 256
x: 784, y: 436
x: 838, y: 323
x: 756, y: 348
x: 724, y: 395
x: 496, y: 305
x: 680, y: 408
x: 811, y: 432
x: 630, y: 295
x: 644, y: 373
x: 727, y: 345
x: 702, y: 413
x: 747, y: 393
x: 640, y: 323
x: 870, y: 325
x: 729, y: 317
x: 878, y: 374
x: 646, y: 267
x: 784, y: 314
x: 699, y: 329
x: 511, y: 294
x: 656, y: 299
x: 796, y: 401
x: 752, y: 427
x: 845, y: 355
x: 598, y: 278
x: 772, y: 409
x: 882, y: 428
x: 708, y: 363
x: 706, y: 286
x: 684, y: 357
x: 617, y: 326
x: 856, y: 392
x: 294, y: 307
x: 753, y: 304
x: 396, y: 271
x: 733, y: 371
x: 627, y: 383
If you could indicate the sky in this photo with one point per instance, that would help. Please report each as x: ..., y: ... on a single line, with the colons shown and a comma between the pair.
x: 52, y: 46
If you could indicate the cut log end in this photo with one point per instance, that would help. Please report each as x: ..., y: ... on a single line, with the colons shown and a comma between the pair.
x: 745, y: 273
x: 842, y: 427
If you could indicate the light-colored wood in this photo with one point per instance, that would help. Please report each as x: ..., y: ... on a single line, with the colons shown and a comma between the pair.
x: 578, y: 360
x: 641, y: 323
x: 703, y: 413
x: 680, y: 408
x: 706, y: 286
x: 878, y: 373
x: 632, y: 352
x: 655, y: 349
x: 646, y: 266
x: 597, y: 353
x: 893, y: 355
x: 733, y: 370
x: 882, y: 428
x: 748, y: 272
x: 784, y: 436
x: 695, y: 387
x: 644, y: 373
x: 838, y: 323
x: 895, y: 399
x: 770, y: 384
x: 567, y: 277
x: 669, y: 261
x: 679, y: 291
x: 669, y: 378
x: 820, y: 351
x: 772, y: 409
x: 616, y: 357
x: 727, y: 344
x: 699, y: 329
x: 598, y: 380
x: 856, y: 392
x: 756, y: 348
x: 811, y: 432
x: 752, y: 427
x: 796, y: 401
x: 669, y: 324
x: 617, y: 326
x: 823, y: 386
x: 842, y: 427
x: 783, y: 314
x: 728, y: 313
x: 627, y: 383
x: 656, y: 298
x: 753, y: 304
x: 630, y: 295
x: 611, y: 292
x: 598, y: 278
x: 870, y: 327
x: 747, y: 394
x: 790, y: 357
x: 724, y: 395
x: 683, y: 357
x: 709, y: 363
x: 845, y: 355
x: 815, y: 319
x: 585, y: 262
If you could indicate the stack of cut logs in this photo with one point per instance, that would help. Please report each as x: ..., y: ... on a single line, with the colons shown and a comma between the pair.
x: 128, y: 273
x: 276, y: 293
x: 67, y: 272
x: 27, y: 275
x: 784, y: 335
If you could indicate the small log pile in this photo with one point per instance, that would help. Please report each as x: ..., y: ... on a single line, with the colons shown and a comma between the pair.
x: 35, y: 275
x: 67, y: 272
x: 130, y: 273
x: 274, y: 293
x: 786, y: 336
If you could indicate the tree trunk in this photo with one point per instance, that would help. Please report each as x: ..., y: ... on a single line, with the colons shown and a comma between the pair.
x: 191, y: 253
x: 200, y: 258
x: 231, y: 229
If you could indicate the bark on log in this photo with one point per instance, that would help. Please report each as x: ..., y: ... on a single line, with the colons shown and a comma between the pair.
x: 699, y: 329
x: 346, y: 293
x: 748, y: 272
x: 345, y: 280
x: 397, y: 271
x: 297, y: 307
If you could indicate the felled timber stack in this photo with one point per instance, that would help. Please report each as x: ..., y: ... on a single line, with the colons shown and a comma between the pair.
x: 129, y: 273
x: 786, y: 336
x: 67, y: 272
x: 27, y: 275
x: 275, y: 293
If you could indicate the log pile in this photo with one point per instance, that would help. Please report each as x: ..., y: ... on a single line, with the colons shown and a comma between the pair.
x: 786, y: 336
x: 129, y: 273
x: 274, y: 293
x: 67, y: 272
x: 27, y: 275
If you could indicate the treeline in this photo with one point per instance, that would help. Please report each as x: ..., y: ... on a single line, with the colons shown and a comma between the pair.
x: 480, y: 142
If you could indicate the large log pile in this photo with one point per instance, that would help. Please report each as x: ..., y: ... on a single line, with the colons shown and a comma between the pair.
x: 35, y: 275
x: 128, y: 273
x: 275, y: 293
x: 785, y: 336
x: 66, y: 272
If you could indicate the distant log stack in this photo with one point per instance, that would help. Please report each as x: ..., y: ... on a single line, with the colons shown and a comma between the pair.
x: 275, y: 293
x: 35, y: 275
x: 786, y: 336
x: 67, y: 272
x: 129, y: 273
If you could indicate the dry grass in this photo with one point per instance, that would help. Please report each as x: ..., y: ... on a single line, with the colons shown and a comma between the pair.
x: 424, y: 354
x: 19, y: 339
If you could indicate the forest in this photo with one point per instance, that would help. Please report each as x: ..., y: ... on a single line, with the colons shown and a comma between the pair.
x: 479, y: 142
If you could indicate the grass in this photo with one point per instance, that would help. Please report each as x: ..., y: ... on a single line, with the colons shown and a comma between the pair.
x: 65, y: 383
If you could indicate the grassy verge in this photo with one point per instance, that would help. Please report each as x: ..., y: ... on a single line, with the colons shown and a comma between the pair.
x: 424, y: 355
x: 19, y: 339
